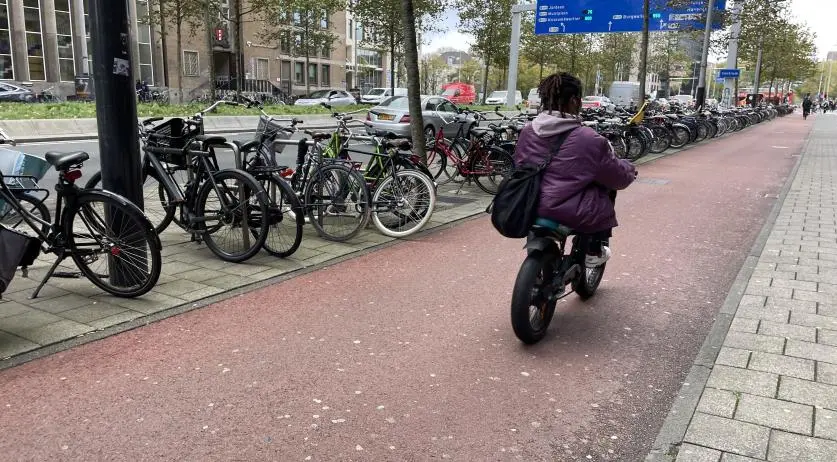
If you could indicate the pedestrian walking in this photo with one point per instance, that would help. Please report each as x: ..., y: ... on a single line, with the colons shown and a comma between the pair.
x: 806, y: 106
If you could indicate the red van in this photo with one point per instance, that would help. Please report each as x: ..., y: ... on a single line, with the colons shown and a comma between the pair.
x: 459, y: 93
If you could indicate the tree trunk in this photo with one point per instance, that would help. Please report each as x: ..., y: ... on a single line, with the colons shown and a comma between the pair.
x: 572, y: 55
x: 164, y: 40
x: 179, y: 58
x: 413, y: 93
x: 239, y: 51
x: 540, y: 73
x: 392, y: 61
x: 485, y: 81
x: 307, y: 48
x: 643, y: 54
x: 213, y: 77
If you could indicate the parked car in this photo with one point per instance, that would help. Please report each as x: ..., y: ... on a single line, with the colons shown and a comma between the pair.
x: 598, y: 102
x: 17, y: 93
x: 499, y: 97
x: 332, y: 97
x: 459, y: 93
x: 393, y: 115
x: 683, y: 100
x: 378, y: 95
x: 534, y: 100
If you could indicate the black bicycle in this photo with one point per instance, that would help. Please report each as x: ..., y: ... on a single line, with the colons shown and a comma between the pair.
x: 228, y: 209
x: 110, y: 240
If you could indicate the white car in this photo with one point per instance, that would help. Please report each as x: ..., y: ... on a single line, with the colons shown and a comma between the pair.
x: 378, y: 95
x: 499, y: 97
x: 598, y: 102
x: 330, y: 97
x: 534, y: 100
x: 683, y: 100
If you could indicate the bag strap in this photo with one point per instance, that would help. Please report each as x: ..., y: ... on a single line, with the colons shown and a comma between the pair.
x: 561, y: 138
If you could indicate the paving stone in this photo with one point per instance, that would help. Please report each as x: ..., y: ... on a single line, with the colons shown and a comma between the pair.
x: 11, y: 308
x: 827, y: 337
x: 26, y: 321
x: 54, y: 332
x: 803, y: 306
x: 717, y: 402
x: 815, y: 351
x: 179, y: 288
x: 116, y: 319
x: 743, y: 380
x: 805, y: 392
x: 754, y: 342
x: 728, y: 457
x: 794, y: 284
x: 200, y: 275
x: 152, y: 302
x: 692, y: 453
x: 752, y: 300
x: 775, y: 314
x: 774, y: 413
x: 229, y: 282
x: 728, y: 435
x: 827, y: 373
x: 820, y: 297
x: 787, y: 447
x: 813, y: 320
x: 246, y: 269
x: 780, y: 292
x: 782, y: 365
x: 750, y: 326
x: 790, y: 331
x: 825, y: 425
x: 90, y: 313
x: 796, y: 268
x: 177, y: 267
x: 734, y: 357
x: 49, y: 291
x: 11, y: 345
x: 200, y: 294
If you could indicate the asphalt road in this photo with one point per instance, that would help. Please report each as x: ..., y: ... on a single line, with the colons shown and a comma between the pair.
x: 407, y: 353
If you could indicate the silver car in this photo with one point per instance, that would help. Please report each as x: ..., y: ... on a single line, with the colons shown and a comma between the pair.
x: 393, y: 115
x: 330, y: 97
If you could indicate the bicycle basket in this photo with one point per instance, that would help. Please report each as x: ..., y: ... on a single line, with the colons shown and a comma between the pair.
x: 173, y: 133
x: 16, y: 249
x: 20, y: 171
x: 266, y: 133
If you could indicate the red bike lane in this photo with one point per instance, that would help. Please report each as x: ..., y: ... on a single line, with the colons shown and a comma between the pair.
x: 407, y: 353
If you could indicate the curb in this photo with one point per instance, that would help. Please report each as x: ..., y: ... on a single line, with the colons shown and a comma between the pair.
x: 673, y: 431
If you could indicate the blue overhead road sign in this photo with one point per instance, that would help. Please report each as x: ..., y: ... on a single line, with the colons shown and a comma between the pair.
x: 729, y: 73
x: 601, y: 16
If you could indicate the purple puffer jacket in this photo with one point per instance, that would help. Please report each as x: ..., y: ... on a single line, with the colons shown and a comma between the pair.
x: 575, y: 186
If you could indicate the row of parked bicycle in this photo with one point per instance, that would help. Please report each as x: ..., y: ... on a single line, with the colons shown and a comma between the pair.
x: 263, y: 204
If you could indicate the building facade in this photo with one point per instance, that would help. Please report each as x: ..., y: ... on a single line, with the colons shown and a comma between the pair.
x: 46, y: 44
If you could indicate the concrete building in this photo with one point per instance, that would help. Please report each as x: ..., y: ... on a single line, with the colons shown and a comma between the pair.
x: 47, y: 43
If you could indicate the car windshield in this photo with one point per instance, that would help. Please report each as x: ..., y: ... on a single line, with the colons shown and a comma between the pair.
x: 533, y: 93
x: 396, y: 102
x: 498, y: 94
x: 450, y: 92
x: 318, y: 94
x: 376, y: 92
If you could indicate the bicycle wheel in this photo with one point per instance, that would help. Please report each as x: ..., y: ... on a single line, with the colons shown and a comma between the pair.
x: 156, y: 203
x: 337, y: 202
x: 531, y: 306
x: 285, y: 217
x: 437, y: 162
x: 402, y: 204
x: 230, y: 203
x: 490, y: 168
x: 636, y: 147
x: 112, y: 243
x: 29, y: 203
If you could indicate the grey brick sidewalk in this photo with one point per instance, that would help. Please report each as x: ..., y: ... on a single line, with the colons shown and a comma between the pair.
x: 772, y: 392
x: 69, y: 308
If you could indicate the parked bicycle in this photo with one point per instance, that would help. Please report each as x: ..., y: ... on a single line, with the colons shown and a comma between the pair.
x: 110, y: 240
x: 228, y: 209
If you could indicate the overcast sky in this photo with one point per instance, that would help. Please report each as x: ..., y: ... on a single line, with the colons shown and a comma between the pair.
x: 820, y: 15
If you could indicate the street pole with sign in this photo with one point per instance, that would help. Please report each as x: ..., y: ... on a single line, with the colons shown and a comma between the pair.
x: 707, y: 34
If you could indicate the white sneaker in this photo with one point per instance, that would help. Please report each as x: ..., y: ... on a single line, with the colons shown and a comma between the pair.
x: 593, y: 261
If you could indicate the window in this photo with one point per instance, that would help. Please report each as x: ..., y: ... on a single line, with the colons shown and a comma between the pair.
x: 6, y: 63
x: 262, y: 69
x: 297, y: 18
x: 64, y: 28
x: 368, y: 58
x: 351, y: 29
x: 297, y: 46
x: 285, y: 42
x: 146, y: 64
x: 34, y: 40
x: 312, y: 73
x: 325, y: 76
x: 190, y: 63
x: 359, y: 33
x: 326, y: 52
x: 89, y: 42
x: 324, y: 20
x: 299, y: 73
x: 285, y: 71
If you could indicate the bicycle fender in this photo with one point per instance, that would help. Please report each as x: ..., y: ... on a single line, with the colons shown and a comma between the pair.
x: 541, y: 244
x: 122, y: 201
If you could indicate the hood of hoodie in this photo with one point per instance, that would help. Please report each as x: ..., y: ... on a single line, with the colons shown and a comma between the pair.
x: 546, y: 125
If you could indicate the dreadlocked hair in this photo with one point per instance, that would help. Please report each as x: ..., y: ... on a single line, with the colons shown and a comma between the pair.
x: 557, y: 90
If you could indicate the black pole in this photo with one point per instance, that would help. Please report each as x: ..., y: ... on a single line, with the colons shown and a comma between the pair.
x: 116, y: 104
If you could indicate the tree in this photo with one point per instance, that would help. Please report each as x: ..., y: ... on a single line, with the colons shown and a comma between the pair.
x: 413, y: 91
x: 489, y: 22
x: 236, y: 13
x: 383, y: 24
x: 616, y: 55
x: 667, y: 56
x: 540, y: 50
x: 304, y: 23
x: 178, y: 13
x: 433, y: 70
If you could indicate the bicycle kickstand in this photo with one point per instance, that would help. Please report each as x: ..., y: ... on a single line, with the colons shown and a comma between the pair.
x: 458, y: 190
x: 48, y: 276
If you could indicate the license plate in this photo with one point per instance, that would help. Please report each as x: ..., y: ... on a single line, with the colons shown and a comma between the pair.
x: 385, y: 117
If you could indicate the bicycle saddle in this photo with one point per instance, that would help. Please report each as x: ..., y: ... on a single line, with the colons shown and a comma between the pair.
x: 401, y: 145
x: 318, y: 136
x: 211, y: 139
x: 64, y: 160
